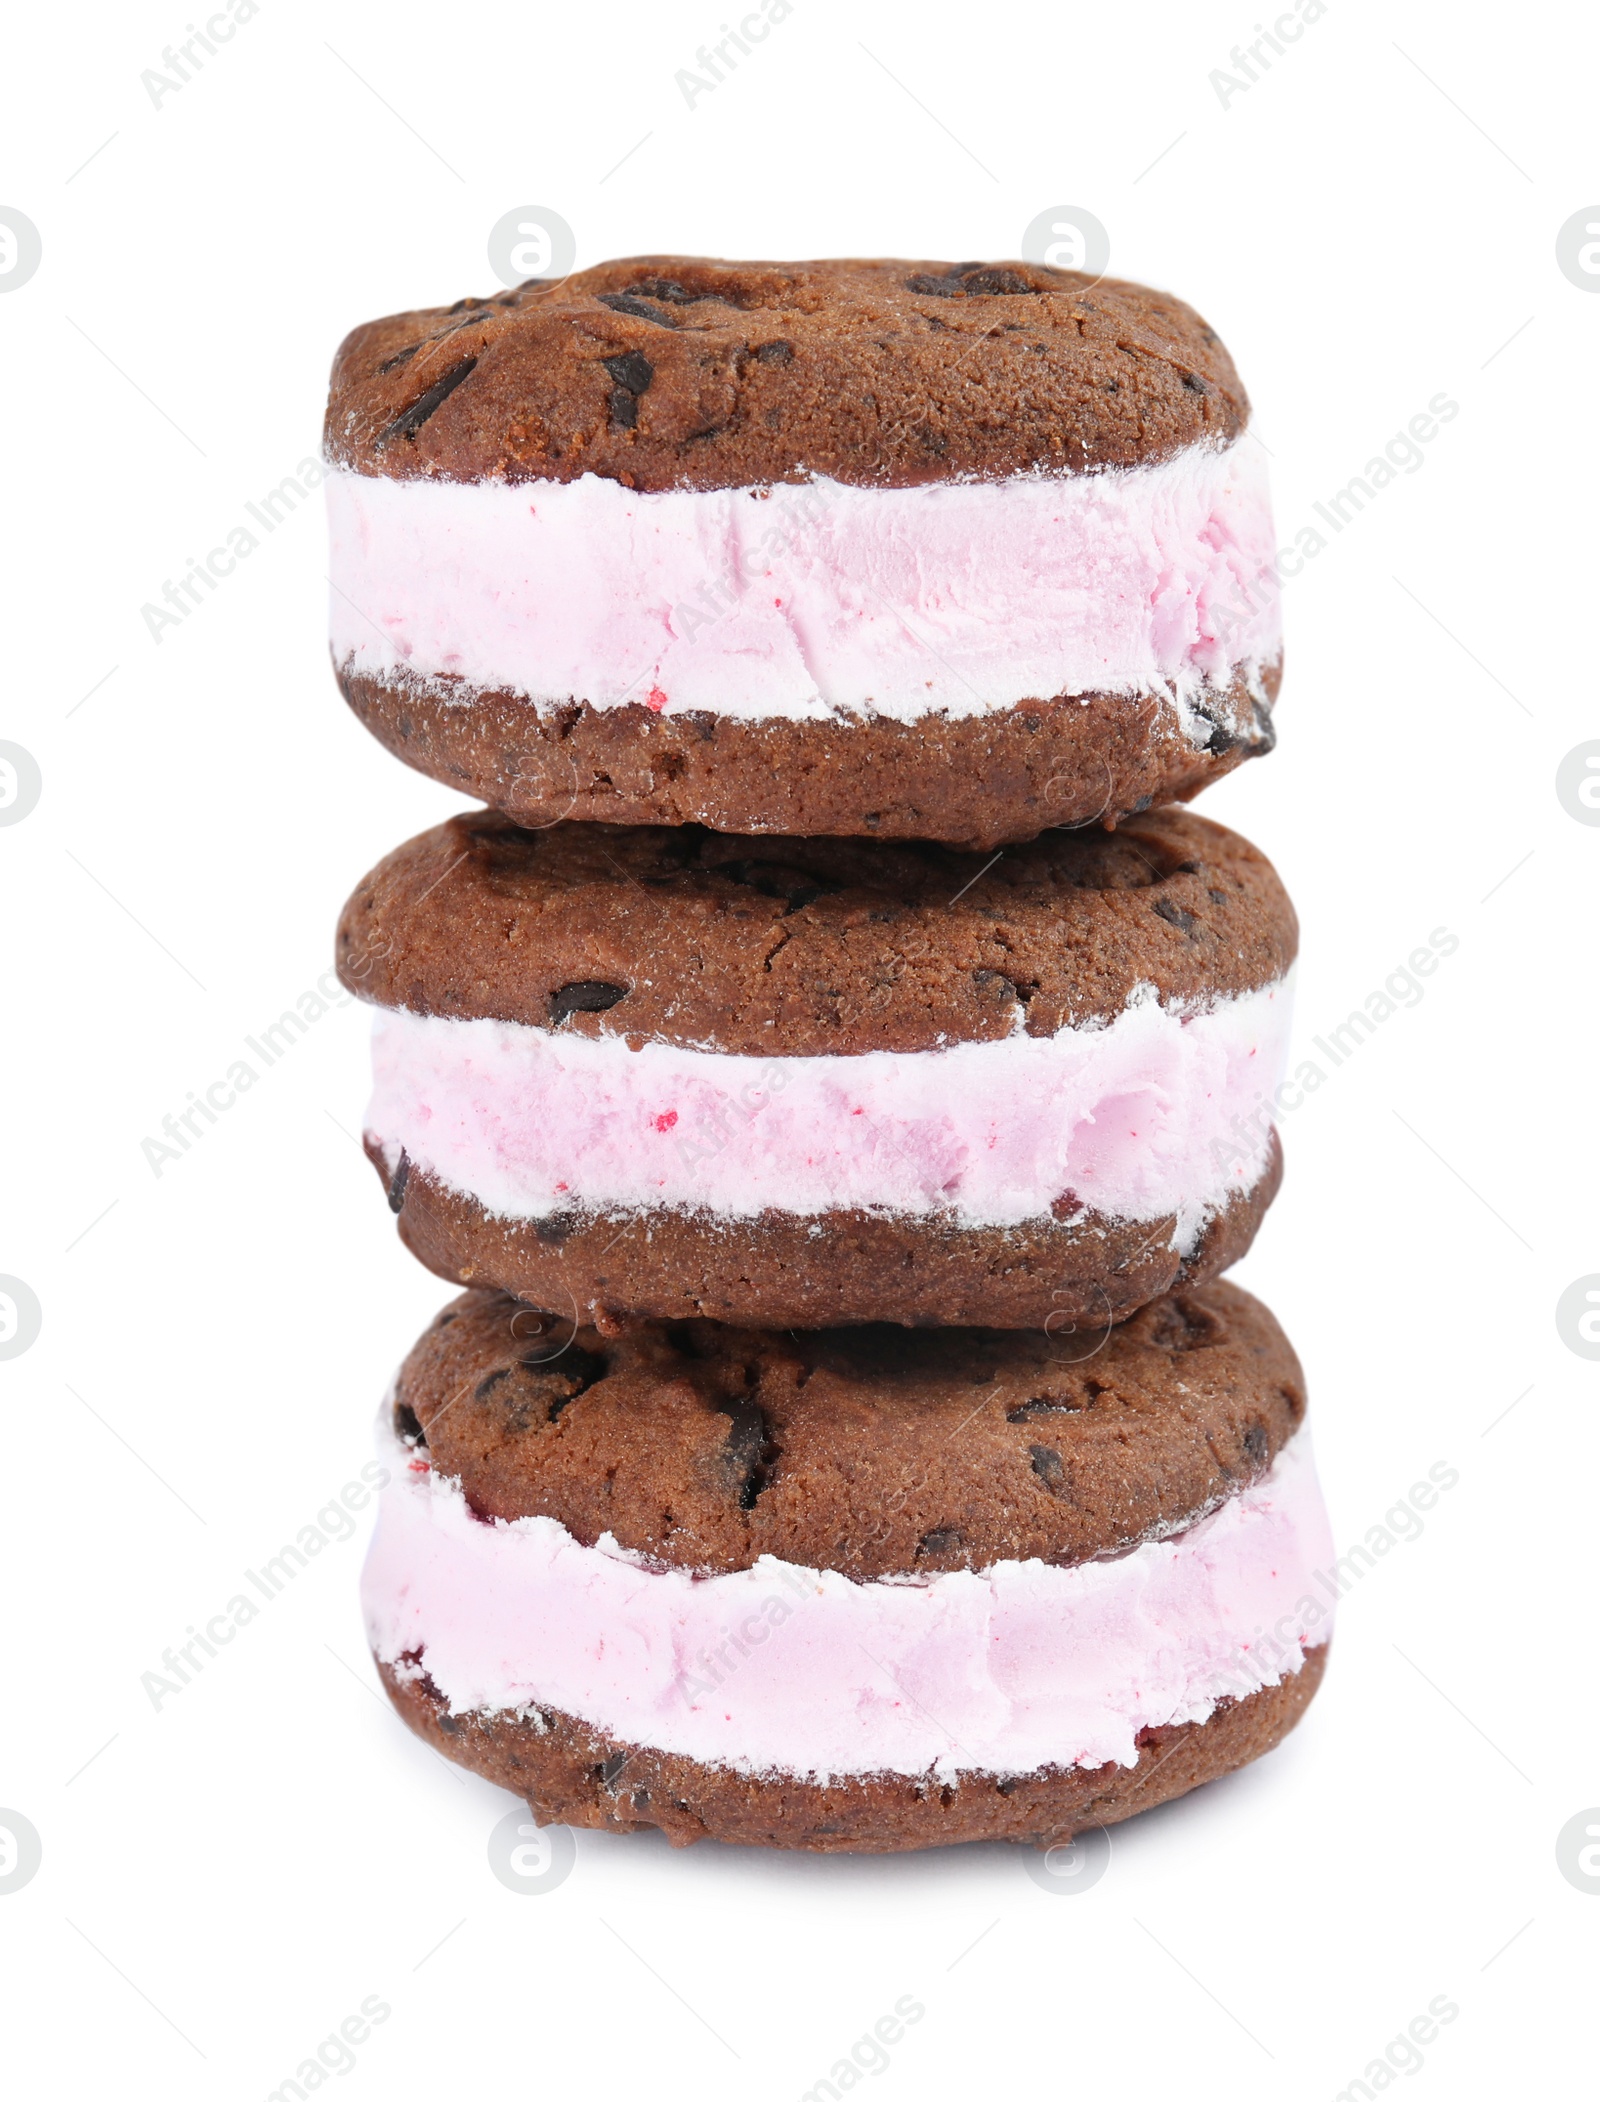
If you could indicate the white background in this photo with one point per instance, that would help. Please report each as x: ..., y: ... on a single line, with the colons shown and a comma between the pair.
x: 1371, y: 223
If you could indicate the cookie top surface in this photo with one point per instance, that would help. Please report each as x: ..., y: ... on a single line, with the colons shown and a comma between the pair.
x: 873, y: 1451
x: 683, y: 372
x: 801, y: 947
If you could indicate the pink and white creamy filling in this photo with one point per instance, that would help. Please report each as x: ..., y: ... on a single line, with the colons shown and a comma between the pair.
x: 1161, y: 1111
x: 815, y: 600
x: 801, y: 1671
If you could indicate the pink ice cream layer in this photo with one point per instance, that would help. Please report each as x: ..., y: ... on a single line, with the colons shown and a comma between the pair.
x: 1161, y: 1111
x: 815, y: 600
x: 783, y: 1669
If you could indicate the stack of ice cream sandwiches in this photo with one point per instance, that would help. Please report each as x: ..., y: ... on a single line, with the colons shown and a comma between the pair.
x: 835, y: 1065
